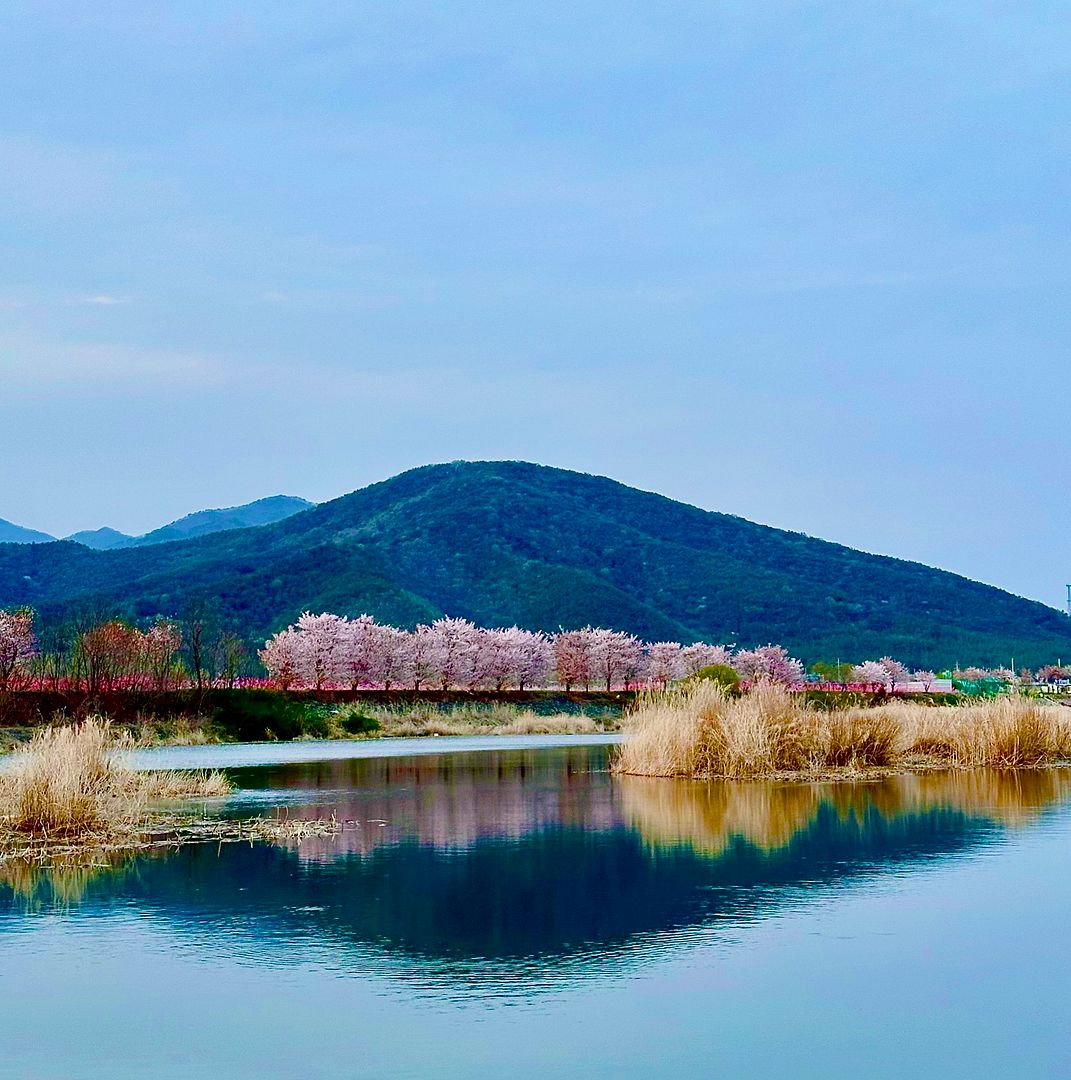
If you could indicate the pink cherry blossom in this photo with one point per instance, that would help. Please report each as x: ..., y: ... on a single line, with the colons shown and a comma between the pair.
x: 18, y: 645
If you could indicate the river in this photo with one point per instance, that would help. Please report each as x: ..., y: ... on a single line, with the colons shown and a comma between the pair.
x: 495, y: 908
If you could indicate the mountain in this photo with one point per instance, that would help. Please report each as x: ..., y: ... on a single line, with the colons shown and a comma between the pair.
x: 510, y: 542
x: 261, y: 512
x: 101, y: 539
x: 10, y: 533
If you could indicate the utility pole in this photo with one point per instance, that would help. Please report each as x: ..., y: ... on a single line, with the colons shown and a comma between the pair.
x: 1069, y: 599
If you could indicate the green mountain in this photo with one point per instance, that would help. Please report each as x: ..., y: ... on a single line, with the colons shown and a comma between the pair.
x: 10, y: 533
x: 104, y: 539
x: 511, y: 542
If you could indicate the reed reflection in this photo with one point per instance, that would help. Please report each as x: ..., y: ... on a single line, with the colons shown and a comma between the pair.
x: 525, y: 862
x: 708, y: 817
x: 36, y: 886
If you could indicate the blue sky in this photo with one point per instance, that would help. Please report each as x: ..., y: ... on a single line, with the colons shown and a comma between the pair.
x: 801, y: 262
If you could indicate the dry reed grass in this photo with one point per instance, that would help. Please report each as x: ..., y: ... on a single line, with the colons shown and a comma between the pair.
x: 149, y: 729
x: 71, y: 808
x: 700, y: 732
x: 420, y: 719
x: 73, y: 782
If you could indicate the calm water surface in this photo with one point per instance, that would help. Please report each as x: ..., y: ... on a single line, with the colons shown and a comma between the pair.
x: 517, y: 911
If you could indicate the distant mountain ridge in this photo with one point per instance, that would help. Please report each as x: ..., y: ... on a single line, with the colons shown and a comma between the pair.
x: 104, y: 539
x: 10, y: 533
x: 505, y: 542
x: 201, y: 523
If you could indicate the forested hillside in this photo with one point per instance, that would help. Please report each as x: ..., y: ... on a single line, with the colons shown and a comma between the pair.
x: 510, y: 542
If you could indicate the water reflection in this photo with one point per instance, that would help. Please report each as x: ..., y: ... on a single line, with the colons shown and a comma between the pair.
x: 534, y: 860
x: 710, y: 818
x: 36, y: 887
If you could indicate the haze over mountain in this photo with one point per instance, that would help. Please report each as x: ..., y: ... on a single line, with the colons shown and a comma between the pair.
x: 511, y: 542
x: 201, y: 523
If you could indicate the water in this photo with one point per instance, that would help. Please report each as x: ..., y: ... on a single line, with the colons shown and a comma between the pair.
x: 519, y: 911
x: 237, y: 755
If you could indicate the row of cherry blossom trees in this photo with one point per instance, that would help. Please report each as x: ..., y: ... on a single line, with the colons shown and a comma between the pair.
x: 328, y: 650
x: 321, y: 651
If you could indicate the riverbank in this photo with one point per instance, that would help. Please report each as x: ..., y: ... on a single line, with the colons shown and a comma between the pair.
x: 191, y: 717
x: 702, y: 733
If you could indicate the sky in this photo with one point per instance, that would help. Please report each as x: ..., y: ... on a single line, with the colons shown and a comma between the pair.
x: 801, y: 262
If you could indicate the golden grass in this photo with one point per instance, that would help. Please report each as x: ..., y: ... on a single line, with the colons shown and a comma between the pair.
x: 700, y: 732
x: 420, y: 719
x: 71, y: 808
x: 73, y: 782
x: 148, y: 729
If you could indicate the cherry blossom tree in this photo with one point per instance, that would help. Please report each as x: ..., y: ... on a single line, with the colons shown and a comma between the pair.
x: 281, y: 655
x: 634, y: 661
x: 970, y: 674
x: 422, y: 659
x: 392, y: 656
x: 699, y: 655
x: 533, y: 658
x: 572, y: 658
x: 768, y: 662
x: 18, y: 644
x: 457, y: 644
x: 616, y: 657
x: 872, y: 674
x: 494, y: 659
x: 895, y: 672
x: 1048, y: 674
x: 370, y: 652
x: 321, y: 653
x: 927, y: 678
x: 665, y: 662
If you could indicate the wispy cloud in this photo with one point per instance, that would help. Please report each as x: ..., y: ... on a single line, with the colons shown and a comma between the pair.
x: 104, y: 300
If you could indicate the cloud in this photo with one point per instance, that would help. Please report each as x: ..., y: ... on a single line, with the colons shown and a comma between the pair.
x: 104, y: 300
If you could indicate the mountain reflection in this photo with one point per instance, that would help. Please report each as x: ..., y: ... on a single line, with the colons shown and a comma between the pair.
x: 543, y: 856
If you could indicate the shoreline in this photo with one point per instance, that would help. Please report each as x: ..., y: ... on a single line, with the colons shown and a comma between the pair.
x: 12, y: 738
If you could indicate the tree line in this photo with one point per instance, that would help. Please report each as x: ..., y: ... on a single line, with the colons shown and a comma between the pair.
x: 328, y: 651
